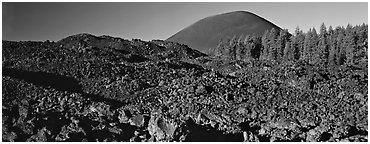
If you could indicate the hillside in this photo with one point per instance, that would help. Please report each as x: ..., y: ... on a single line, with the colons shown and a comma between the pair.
x: 207, y: 32
x: 101, y: 88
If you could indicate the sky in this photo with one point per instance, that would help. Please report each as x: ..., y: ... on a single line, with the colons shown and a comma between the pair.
x: 148, y: 21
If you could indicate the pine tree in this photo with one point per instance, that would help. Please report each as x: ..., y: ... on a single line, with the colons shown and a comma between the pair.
x: 239, y: 48
x: 323, y: 31
x: 288, y: 55
x: 280, y: 43
x: 332, y: 55
x: 220, y: 49
x: 273, y: 45
x: 330, y: 30
x: 293, y: 53
x: 332, y: 46
x: 248, y: 48
x: 349, y: 43
x: 360, y: 53
x: 265, y: 45
x: 323, y: 49
x: 257, y: 46
x: 253, y: 46
x: 232, y: 47
x: 340, y: 50
x: 307, y: 46
x: 294, y: 48
x: 314, y: 49
x: 298, y: 43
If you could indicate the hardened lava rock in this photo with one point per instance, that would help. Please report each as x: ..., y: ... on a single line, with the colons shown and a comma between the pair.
x: 89, y: 88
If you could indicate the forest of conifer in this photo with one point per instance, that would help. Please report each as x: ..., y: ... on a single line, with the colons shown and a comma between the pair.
x: 328, y: 47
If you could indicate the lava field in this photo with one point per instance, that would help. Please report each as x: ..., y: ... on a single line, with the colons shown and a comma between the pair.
x: 86, y: 88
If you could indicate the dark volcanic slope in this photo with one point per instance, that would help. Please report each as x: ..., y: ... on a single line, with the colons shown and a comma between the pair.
x: 206, y: 33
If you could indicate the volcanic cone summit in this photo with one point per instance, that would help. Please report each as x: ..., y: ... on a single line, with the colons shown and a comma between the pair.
x: 207, y: 32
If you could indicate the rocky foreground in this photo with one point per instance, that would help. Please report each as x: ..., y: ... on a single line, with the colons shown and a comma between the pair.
x: 88, y: 88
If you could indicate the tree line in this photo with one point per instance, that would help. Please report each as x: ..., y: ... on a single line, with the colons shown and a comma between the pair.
x: 328, y: 47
